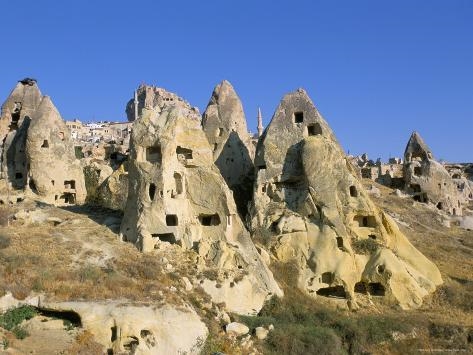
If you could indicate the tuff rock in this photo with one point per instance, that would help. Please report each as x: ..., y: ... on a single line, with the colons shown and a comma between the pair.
x: 312, y: 209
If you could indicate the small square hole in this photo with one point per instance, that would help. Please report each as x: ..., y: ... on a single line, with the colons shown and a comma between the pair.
x: 299, y: 117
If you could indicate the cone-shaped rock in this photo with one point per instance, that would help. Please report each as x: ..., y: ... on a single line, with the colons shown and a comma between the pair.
x: 177, y: 195
x: 309, y: 197
x: 55, y: 175
x: 224, y: 125
x: 428, y: 180
x: 15, y: 118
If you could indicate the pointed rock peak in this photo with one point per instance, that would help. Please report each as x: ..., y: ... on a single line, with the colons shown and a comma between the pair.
x: 224, y: 112
x: 417, y: 149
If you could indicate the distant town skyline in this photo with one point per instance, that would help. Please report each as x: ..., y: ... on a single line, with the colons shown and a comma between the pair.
x: 376, y: 71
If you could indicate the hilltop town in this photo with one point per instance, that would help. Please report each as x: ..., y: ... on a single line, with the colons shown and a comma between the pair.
x: 182, y: 232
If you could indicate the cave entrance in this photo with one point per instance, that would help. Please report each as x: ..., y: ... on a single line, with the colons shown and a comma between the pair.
x: 332, y: 292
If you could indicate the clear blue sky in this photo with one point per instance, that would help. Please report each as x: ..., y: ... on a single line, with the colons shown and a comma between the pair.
x: 376, y: 70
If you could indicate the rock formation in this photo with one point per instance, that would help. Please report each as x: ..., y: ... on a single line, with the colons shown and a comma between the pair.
x: 428, y: 180
x: 14, y: 121
x: 224, y: 124
x: 176, y: 195
x: 54, y: 173
x: 148, y: 97
x: 138, y: 329
x: 311, y: 208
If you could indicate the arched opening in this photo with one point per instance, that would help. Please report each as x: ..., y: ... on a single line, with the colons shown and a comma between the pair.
x: 333, y: 292
x: 151, y: 191
x: 69, y: 316
x: 440, y: 205
x: 178, y: 183
x: 353, y: 191
x: 365, y: 221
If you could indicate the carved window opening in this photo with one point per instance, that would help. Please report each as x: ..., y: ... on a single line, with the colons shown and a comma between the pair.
x: 171, y: 220
x: 353, y: 191
x: 314, y: 129
x: 165, y: 237
x: 45, y: 144
x: 153, y: 154
x: 327, y: 278
x: 298, y: 117
x: 187, y: 153
x: 209, y: 219
x: 151, y: 191
x: 365, y: 221
x: 340, y: 243
x: 70, y: 184
x: 178, y: 183
x: 18, y: 176
x: 417, y: 171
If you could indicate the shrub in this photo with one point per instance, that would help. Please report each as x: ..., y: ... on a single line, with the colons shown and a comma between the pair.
x: 4, y: 241
x: 13, y: 317
x: 20, y: 332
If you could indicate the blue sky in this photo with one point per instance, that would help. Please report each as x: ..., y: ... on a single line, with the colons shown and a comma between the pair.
x: 376, y: 70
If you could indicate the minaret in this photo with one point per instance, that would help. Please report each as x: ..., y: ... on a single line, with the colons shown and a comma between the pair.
x: 260, y: 123
x: 136, y: 105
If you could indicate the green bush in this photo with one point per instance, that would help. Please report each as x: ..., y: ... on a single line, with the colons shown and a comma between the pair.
x: 20, y: 332
x: 13, y: 317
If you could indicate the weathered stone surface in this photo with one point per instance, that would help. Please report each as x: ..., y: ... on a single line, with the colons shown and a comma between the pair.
x: 139, y: 329
x: 428, y: 180
x: 310, y: 203
x: 15, y: 118
x: 176, y: 195
x: 236, y: 328
x: 152, y: 97
x: 224, y: 125
x: 261, y: 333
x: 55, y: 175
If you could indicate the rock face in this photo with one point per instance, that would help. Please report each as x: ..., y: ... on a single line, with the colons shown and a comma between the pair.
x: 224, y: 125
x: 54, y: 173
x: 312, y: 209
x: 177, y: 195
x: 148, y: 97
x: 105, y: 187
x: 139, y: 329
x: 15, y: 118
x: 428, y: 180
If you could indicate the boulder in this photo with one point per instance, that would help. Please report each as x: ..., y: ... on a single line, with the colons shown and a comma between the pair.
x: 237, y: 329
x: 261, y: 333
